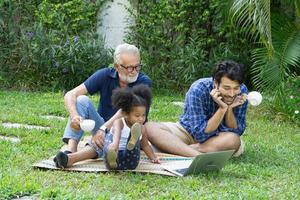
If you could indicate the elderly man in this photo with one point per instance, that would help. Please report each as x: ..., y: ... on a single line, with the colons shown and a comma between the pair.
x: 126, y: 73
x: 214, y: 116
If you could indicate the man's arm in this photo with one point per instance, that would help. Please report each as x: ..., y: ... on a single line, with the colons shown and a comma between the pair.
x: 230, y: 119
x: 70, y: 104
x: 71, y: 97
x: 215, y: 121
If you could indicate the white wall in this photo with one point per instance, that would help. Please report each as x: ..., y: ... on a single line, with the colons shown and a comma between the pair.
x: 113, y: 22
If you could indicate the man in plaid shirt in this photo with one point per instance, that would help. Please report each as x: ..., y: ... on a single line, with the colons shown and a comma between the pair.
x: 214, y: 116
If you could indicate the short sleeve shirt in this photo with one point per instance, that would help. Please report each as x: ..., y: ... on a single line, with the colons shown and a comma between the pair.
x: 104, y: 81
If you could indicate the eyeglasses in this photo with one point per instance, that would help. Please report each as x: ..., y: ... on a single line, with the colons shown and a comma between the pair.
x: 131, y: 68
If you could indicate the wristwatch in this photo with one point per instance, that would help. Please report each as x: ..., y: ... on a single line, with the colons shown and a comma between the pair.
x: 104, y: 128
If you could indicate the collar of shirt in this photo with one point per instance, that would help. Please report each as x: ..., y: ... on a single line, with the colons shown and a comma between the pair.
x: 113, y: 73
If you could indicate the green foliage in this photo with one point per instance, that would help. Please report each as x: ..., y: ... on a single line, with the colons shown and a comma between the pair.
x: 48, y: 61
x: 279, y: 57
x: 277, y: 60
x: 181, y: 41
x: 49, y: 44
x: 70, y: 16
x: 289, y: 101
x: 270, y: 71
x: 255, y: 19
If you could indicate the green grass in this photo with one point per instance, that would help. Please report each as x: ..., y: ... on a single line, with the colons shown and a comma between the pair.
x: 268, y: 170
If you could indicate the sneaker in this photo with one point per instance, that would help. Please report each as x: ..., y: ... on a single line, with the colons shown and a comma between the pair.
x: 135, y: 134
x: 66, y: 152
x: 111, y: 159
x: 240, y: 151
x: 61, y: 160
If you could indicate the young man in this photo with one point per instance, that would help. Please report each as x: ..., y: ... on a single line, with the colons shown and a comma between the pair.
x: 126, y: 73
x: 214, y: 116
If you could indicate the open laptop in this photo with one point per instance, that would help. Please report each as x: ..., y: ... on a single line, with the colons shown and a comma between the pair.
x: 205, y: 162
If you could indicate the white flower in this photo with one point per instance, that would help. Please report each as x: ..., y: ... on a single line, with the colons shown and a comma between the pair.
x: 291, y: 97
x: 296, y: 111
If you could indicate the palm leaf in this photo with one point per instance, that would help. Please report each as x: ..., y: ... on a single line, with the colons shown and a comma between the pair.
x: 255, y: 19
x: 270, y: 71
x: 297, y: 7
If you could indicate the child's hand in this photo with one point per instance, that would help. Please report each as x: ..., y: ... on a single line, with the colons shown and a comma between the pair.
x: 156, y: 160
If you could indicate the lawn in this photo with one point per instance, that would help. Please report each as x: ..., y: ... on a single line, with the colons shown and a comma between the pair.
x: 269, y: 169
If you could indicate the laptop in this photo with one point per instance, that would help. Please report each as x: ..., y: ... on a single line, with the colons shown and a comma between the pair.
x: 213, y: 161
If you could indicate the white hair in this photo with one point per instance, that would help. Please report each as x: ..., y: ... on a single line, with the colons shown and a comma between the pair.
x: 125, y: 49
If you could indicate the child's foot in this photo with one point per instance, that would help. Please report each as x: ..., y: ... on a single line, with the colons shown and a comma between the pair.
x: 111, y: 158
x: 135, y: 134
x: 61, y: 160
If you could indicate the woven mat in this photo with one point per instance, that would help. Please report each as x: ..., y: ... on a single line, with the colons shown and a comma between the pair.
x: 97, y: 165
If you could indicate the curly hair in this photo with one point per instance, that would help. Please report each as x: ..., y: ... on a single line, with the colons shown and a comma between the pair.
x: 229, y: 69
x: 126, y: 98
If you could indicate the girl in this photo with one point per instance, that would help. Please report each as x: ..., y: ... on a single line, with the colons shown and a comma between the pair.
x: 126, y: 137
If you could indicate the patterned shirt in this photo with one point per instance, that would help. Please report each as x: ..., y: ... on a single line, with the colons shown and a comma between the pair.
x: 200, y: 107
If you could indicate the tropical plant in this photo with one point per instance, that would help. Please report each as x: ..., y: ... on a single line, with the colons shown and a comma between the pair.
x: 181, y: 41
x: 49, y: 44
x: 278, y: 34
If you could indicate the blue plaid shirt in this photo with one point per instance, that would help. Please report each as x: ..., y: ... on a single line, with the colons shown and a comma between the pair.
x: 200, y: 107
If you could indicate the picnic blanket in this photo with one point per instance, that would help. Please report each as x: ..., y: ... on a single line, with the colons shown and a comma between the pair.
x: 97, y: 165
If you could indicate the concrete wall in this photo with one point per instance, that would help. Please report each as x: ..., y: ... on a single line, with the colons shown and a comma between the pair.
x: 113, y: 22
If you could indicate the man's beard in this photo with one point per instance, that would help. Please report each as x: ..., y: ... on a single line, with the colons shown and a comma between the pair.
x: 128, y: 79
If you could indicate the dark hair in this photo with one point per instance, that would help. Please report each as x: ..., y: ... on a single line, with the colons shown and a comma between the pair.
x: 229, y: 69
x: 126, y: 98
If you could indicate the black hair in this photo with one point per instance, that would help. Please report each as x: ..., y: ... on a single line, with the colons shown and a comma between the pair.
x: 229, y: 69
x: 126, y: 98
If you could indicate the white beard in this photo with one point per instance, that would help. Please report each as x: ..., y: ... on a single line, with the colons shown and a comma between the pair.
x: 128, y: 79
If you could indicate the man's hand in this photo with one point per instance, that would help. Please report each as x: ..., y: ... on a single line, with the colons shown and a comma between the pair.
x: 75, y: 122
x: 239, y: 100
x: 216, y: 95
x: 98, y: 138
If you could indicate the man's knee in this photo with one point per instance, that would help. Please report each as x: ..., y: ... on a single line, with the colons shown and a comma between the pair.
x: 83, y: 100
x: 231, y: 140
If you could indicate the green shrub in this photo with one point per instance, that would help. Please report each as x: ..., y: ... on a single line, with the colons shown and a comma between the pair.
x: 48, y: 61
x: 69, y: 16
x: 181, y: 41
x: 289, y: 101
x: 47, y: 44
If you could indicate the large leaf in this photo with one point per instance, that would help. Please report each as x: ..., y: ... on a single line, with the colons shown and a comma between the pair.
x: 297, y: 7
x: 271, y: 70
x: 255, y: 18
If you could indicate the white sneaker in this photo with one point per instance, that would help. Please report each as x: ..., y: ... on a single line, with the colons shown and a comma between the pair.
x: 241, y: 150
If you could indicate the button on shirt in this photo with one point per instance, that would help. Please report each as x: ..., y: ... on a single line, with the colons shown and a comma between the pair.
x: 200, y: 107
x: 105, y: 81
